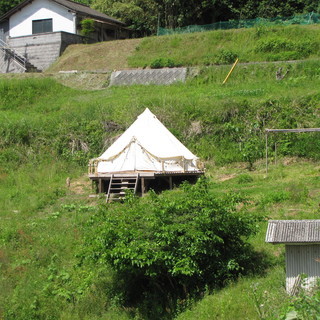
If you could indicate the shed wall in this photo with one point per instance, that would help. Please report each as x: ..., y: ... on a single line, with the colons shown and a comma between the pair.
x: 302, y: 259
x: 21, y: 21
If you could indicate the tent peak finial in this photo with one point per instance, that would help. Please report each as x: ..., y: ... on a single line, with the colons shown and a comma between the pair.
x: 147, y: 113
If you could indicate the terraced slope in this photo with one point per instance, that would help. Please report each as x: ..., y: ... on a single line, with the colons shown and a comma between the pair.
x: 206, y: 48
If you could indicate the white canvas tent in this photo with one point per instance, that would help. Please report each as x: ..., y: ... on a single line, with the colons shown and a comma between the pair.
x: 146, y: 146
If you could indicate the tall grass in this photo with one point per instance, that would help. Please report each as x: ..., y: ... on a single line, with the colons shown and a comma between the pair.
x: 215, y: 47
x: 251, y: 298
x: 205, y: 48
x: 48, y: 132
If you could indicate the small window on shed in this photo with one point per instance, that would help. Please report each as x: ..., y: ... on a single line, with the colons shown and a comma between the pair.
x: 41, y: 26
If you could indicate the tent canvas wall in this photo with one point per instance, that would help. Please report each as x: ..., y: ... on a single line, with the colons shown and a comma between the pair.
x: 148, y: 149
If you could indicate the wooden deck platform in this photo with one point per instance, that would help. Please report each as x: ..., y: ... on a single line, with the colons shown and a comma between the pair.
x: 144, y: 180
x: 143, y: 174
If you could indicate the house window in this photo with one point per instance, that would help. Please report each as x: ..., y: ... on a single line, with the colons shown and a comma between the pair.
x: 41, y: 26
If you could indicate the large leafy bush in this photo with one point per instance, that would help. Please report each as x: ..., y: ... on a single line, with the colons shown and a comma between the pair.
x: 171, y: 245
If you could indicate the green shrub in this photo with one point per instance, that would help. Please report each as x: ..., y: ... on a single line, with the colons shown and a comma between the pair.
x: 170, y: 63
x: 157, y: 63
x: 87, y: 27
x: 244, y: 178
x: 167, y: 247
x: 305, y: 306
x: 163, y: 63
x: 225, y: 57
x: 252, y: 151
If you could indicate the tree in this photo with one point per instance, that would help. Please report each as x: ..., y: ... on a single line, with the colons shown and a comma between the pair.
x: 6, y: 5
x: 170, y: 246
x: 138, y: 15
x: 87, y: 27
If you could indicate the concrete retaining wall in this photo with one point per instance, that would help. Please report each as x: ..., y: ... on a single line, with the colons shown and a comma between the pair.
x: 8, y: 65
x: 42, y: 50
x: 148, y: 76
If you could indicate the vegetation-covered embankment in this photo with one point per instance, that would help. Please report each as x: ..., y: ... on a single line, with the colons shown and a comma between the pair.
x: 48, y: 132
x: 203, y: 48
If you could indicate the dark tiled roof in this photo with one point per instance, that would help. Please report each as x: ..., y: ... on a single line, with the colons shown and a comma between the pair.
x: 73, y: 6
x: 86, y: 10
x: 293, y: 231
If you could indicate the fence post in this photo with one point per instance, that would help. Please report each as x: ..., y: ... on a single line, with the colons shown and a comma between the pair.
x: 158, y: 26
x: 266, y: 152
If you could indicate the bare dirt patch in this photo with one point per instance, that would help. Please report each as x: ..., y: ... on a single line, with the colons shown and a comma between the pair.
x: 80, y: 186
x: 227, y: 177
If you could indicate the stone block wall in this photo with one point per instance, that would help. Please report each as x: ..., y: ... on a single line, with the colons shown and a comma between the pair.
x: 164, y: 76
x: 42, y: 50
x: 8, y: 65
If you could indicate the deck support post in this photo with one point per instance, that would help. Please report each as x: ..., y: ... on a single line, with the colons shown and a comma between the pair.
x: 170, y: 182
x: 143, y: 188
x: 100, y: 186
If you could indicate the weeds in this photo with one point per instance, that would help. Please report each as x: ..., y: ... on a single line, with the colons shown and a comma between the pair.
x: 48, y: 132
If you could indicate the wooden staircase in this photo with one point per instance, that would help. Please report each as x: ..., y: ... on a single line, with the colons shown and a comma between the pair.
x: 120, y: 184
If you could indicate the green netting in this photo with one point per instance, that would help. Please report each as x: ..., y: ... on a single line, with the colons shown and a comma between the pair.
x: 310, y: 18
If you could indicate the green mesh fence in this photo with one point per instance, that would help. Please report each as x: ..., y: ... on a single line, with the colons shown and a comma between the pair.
x: 310, y: 18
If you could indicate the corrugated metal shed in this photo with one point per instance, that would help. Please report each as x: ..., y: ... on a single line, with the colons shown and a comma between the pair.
x: 293, y: 231
x: 302, y: 260
x: 302, y: 240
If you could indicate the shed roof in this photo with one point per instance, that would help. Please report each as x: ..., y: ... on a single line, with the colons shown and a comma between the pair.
x: 293, y: 231
x: 71, y: 5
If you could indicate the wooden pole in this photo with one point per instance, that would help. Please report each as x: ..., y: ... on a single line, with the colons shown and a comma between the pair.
x: 229, y: 74
x: 100, y: 186
x: 267, y: 153
x: 170, y: 182
x: 158, y: 26
x: 143, y: 189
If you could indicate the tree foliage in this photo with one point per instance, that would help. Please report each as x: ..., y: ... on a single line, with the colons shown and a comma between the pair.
x: 304, y: 306
x: 143, y: 16
x: 87, y: 26
x: 172, y: 245
x: 6, y: 5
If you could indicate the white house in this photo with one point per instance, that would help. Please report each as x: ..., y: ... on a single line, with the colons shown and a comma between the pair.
x: 35, y: 27
x: 302, y: 241
x: 32, y: 17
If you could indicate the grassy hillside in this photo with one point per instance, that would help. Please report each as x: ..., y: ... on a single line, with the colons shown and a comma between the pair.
x: 100, y: 56
x: 206, y: 48
x: 48, y: 132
